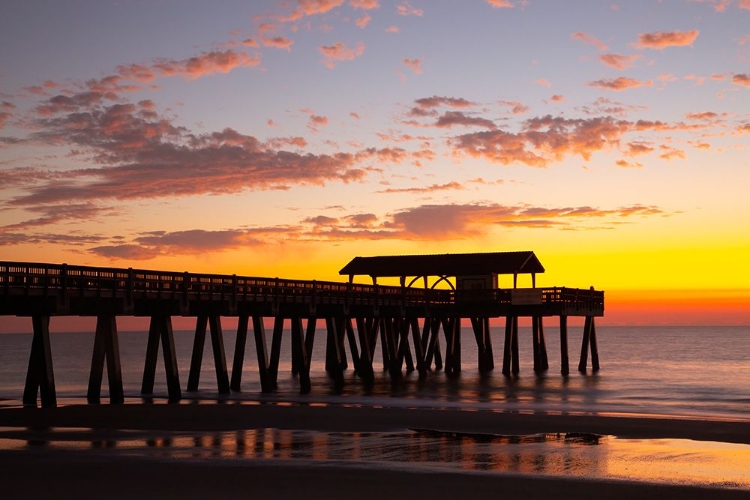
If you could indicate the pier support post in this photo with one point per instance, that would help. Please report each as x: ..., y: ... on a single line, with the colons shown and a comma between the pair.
x: 364, y: 332
x: 352, y: 344
x: 510, y: 351
x: 261, y: 349
x: 481, y: 329
x: 239, y: 352
x: 302, y: 349
x: 40, y: 377
x: 106, y: 346
x: 452, y: 331
x: 160, y: 328
x: 217, y: 345
x: 541, y: 362
x: 515, y: 367
x: 418, y: 341
x: 334, y: 347
x: 391, y: 338
x: 564, y: 364
x: 589, y: 340
x: 273, y: 362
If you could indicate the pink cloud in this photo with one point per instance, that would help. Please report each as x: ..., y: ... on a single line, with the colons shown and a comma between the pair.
x: 340, y: 52
x: 406, y: 9
x: 662, y: 39
x: 249, y: 42
x: 279, y: 42
x: 392, y: 29
x: 741, y: 79
x: 670, y: 153
x: 543, y: 81
x: 206, y: 64
x: 437, y: 101
x: 619, y: 61
x: 415, y: 65
x: 586, y: 38
x: 451, y: 118
x: 517, y: 108
x: 618, y: 84
x: 557, y: 98
x: 142, y: 155
x: 309, y: 8
x: 363, y: 21
x: 317, y: 121
x: 543, y: 140
x: 365, y: 4
x: 500, y: 4
x: 450, y: 186
x: 745, y: 4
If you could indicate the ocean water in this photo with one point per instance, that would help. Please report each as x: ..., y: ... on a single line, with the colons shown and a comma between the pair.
x: 699, y: 372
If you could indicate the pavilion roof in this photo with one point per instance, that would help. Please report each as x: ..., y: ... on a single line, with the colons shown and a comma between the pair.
x: 460, y: 264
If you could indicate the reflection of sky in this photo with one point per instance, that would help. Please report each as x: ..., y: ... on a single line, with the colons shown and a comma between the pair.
x: 670, y: 461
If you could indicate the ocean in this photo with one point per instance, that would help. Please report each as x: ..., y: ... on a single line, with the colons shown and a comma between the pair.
x: 698, y: 372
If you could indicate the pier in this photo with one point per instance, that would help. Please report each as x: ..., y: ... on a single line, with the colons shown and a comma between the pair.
x: 411, y: 322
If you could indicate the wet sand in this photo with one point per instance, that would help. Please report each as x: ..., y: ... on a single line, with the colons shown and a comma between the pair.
x: 64, y: 474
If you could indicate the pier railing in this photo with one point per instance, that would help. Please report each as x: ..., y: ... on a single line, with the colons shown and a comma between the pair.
x: 66, y: 281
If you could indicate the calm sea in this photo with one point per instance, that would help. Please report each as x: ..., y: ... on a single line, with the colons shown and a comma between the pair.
x: 678, y: 371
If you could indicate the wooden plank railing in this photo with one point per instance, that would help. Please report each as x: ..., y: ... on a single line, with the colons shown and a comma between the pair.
x: 19, y: 278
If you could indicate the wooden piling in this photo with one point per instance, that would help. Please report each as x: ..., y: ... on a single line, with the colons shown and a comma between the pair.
x: 507, y: 345
x: 239, y: 352
x: 106, y: 346
x: 199, y: 341
x: 261, y: 349
x: 364, y: 333
x: 40, y: 377
x: 514, y: 348
x: 160, y: 329
x: 585, y: 345
x: 564, y: 365
x: 594, y: 349
x: 273, y: 362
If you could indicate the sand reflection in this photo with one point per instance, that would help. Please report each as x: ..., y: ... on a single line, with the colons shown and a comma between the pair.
x: 576, y: 455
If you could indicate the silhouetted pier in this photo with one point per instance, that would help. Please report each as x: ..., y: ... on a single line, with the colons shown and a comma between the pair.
x: 405, y: 319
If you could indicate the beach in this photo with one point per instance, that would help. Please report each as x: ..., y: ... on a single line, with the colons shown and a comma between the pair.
x: 83, y: 467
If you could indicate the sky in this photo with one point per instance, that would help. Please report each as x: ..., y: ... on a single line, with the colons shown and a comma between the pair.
x: 283, y: 138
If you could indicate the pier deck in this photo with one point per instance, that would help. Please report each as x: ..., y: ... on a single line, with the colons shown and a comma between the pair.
x: 406, y: 320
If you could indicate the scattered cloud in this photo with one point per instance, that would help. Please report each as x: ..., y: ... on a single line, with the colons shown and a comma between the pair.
x: 451, y: 118
x: 662, y: 39
x: 450, y: 186
x: 363, y: 21
x: 619, y: 84
x: 365, y: 4
x: 543, y: 81
x: 437, y: 101
x: 543, y: 140
x: 415, y: 65
x: 670, y: 153
x: 340, y: 52
x: 501, y: 4
x: 586, y: 38
x: 741, y: 79
x: 619, y: 61
x: 406, y: 9
x: 279, y: 42
x: 557, y: 98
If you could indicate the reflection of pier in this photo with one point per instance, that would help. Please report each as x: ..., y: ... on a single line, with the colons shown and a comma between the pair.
x: 405, y: 319
x: 547, y: 454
